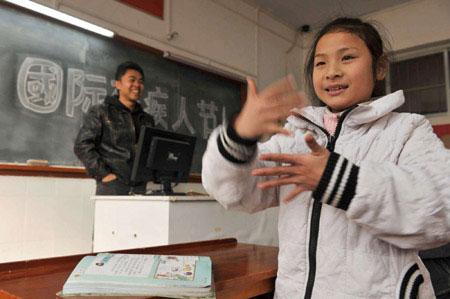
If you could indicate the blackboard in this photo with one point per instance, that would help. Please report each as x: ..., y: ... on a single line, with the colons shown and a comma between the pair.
x: 52, y: 73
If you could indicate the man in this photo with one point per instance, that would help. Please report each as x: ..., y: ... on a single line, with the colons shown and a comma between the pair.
x: 106, y: 140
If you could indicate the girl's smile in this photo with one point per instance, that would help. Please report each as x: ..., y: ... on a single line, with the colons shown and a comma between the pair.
x: 336, y: 89
x: 130, y: 86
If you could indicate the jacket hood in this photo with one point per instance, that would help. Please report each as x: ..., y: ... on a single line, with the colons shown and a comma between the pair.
x: 364, y: 113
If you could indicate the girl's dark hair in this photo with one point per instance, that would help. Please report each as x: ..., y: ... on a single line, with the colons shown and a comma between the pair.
x: 364, y: 30
x: 125, y: 66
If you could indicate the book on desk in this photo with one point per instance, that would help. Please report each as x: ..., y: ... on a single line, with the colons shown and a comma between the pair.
x: 115, y: 274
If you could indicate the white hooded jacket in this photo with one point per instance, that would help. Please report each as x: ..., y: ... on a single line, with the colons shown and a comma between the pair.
x: 384, y: 195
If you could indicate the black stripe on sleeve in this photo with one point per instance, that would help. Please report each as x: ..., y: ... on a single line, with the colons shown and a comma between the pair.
x: 226, y: 154
x: 406, y: 280
x: 337, y: 185
x: 235, y: 149
x: 415, y: 288
x: 338, y: 181
x: 350, y: 188
x: 326, y: 176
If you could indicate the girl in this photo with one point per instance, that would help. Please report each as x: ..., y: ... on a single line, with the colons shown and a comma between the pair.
x: 360, y: 188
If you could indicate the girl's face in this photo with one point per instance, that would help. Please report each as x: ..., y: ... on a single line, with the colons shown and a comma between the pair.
x: 342, y: 73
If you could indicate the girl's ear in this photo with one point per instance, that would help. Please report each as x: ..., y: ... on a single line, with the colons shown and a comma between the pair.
x: 382, y: 67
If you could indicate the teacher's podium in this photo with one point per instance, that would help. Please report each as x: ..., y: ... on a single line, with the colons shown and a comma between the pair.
x: 137, y: 221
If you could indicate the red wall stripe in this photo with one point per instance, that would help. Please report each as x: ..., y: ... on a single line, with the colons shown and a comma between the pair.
x: 441, y: 130
x: 153, y: 7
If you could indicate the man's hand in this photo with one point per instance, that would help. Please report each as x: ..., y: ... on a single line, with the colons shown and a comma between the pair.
x: 109, y: 178
x: 302, y: 170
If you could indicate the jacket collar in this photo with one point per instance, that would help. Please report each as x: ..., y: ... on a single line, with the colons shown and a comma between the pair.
x: 114, y: 101
x: 364, y: 113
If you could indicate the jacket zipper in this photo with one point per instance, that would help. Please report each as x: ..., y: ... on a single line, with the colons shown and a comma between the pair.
x: 133, y: 136
x: 317, y: 207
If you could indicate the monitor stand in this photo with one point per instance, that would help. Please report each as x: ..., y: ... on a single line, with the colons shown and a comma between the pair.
x: 166, y: 190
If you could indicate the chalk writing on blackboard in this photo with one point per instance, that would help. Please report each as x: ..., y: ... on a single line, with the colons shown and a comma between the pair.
x: 40, y: 84
x: 158, y: 110
x: 79, y: 91
x: 183, y: 118
x: 48, y: 84
x: 208, y: 112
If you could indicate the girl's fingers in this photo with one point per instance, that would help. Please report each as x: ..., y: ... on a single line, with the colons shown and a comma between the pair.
x: 265, y: 111
x: 280, y: 106
x: 297, y: 190
x: 274, y: 128
x: 279, y: 182
x: 312, y: 144
x: 285, y: 132
x: 279, y: 87
x: 251, y: 88
x: 282, y: 158
x: 277, y: 129
x: 272, y: 171
x: 293, y: 99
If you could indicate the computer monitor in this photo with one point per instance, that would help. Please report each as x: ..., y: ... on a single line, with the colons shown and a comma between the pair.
x: 162, y: 157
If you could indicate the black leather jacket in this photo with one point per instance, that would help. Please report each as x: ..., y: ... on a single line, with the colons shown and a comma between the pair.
x: 106, y: 140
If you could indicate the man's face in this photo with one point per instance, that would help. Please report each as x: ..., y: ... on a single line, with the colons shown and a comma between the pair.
x: 130, y: 86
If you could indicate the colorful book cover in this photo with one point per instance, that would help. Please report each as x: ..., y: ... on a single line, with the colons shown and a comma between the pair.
x: 140, y: 274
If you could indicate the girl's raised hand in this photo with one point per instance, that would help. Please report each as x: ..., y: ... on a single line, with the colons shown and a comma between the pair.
x: 263, y: 111
x: 302, y: 170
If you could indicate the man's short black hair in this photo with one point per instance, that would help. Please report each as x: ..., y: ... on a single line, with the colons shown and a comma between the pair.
x: 125, y: 66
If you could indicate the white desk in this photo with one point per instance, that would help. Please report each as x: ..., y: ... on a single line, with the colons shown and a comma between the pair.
x: 124, y: 222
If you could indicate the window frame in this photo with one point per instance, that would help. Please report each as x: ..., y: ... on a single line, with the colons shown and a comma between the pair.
x: 420, y: 51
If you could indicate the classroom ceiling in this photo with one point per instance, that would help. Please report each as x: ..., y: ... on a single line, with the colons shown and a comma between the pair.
x: 297, y: 13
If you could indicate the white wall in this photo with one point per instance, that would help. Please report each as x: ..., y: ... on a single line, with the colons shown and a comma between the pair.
x: 229, y: 35
x: 416, y: 23
x: 43, y: 217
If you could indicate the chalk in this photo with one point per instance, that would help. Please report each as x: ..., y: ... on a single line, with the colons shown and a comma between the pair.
x: 35, y: 162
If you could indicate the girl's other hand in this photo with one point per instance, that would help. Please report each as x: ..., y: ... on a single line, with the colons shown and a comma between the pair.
x: 263, y: 111
x: 302, y: 170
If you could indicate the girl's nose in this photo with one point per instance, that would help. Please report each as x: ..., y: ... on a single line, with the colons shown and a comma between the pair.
x: 333, y: 72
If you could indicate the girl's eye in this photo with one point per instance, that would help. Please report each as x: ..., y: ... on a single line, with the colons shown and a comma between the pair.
x: 348, y: 57
x: 319, y: 63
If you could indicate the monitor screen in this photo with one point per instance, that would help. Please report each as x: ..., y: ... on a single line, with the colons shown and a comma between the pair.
x: 162, y: 157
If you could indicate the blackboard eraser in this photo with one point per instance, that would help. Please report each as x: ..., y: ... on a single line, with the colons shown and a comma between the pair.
x: 35, y: 162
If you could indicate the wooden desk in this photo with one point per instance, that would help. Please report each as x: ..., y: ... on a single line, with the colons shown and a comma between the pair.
x: 240, y: 270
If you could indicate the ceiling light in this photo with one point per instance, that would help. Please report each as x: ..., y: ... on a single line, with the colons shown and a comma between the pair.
x: 61, y: 16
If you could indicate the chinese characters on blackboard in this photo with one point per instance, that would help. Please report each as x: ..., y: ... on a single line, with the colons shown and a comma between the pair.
x: 40, y: 89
